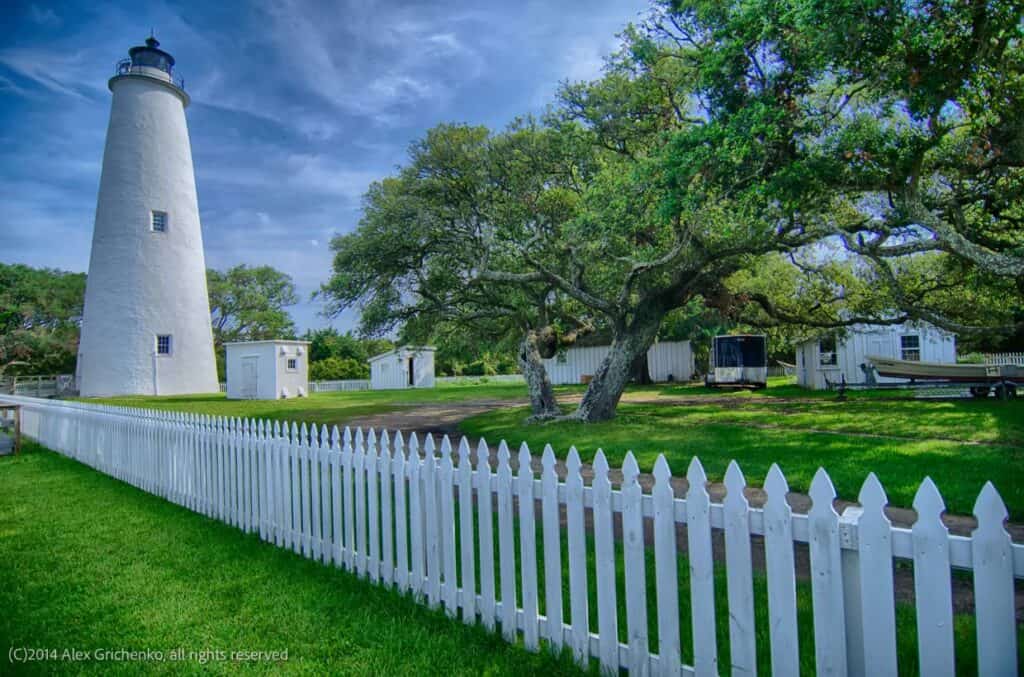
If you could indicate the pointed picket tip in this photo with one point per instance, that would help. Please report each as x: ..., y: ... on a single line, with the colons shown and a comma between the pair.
x: 385, y: 442
x: 359, y: 436
x: 347, y: 435
x: 446, y: 446
x: 463, y: 449
x: 872, y: 493
x: 335, y: 436
x: 503, y: 454
x: 822, y: 492
x: 547, y: 459
x: 399, y: 441
x: 414, y: 444
x: 989, y: 508
x: 524, y: 455
x: 295, y: 431
x: 734, y: 479
x: 662, y: 473
x: 371, y: 437
x: 775, y: 483
x: 572, y: 461
x: 695, y: 474
x: 928, y: 501
x: 630, y: 469
x: 277, y: 428
x: 600, y: 464
x: 428, y: 444
x: 325, y: 436
x: 259, y: 427
x: 483, y: 454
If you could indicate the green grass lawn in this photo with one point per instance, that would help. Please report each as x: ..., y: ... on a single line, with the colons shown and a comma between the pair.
x: 960, y: 444
x: 324, y: 408
x: 91, y: 563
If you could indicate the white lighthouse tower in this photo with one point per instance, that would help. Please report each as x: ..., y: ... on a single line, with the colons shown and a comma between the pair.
x: 146, y: 323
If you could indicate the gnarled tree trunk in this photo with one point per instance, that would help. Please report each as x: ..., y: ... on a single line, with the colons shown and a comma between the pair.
x: 542, y: 395
x: 629, y: 343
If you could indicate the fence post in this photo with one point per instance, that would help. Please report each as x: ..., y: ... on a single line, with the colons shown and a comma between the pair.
x: 850, y: 555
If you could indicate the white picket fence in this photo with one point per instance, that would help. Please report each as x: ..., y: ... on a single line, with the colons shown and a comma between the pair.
x: 338, y: 386
x: 473, y: 380
x: 1005, y: 358
x: 400, y: 515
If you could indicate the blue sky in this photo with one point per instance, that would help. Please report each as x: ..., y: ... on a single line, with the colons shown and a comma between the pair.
x: 296, y: 107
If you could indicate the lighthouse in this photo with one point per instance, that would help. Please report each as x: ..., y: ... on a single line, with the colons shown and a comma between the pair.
x: 146, y: 322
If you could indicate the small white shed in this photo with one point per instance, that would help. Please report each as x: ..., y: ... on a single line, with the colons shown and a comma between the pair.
x: 827, y: 360
x: 666, y: 360
x: 404, y: 367
x: 267, y: 370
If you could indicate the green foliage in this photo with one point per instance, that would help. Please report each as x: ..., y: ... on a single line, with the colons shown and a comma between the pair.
x: 40, y: 315
x: 338, y: 368
x: 329, y: 342
x: 248, y: 304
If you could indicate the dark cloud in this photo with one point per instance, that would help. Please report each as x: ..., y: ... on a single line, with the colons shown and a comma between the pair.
x: 297, y: 107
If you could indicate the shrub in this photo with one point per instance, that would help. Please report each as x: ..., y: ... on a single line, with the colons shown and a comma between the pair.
x: 338, y: 369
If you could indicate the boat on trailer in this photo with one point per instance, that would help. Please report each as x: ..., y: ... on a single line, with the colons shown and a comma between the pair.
x: 980, y: 377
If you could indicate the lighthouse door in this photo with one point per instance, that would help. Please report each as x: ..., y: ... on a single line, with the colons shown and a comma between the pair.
x: 250, y: 377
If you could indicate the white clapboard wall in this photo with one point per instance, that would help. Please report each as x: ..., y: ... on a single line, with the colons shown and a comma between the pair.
x: 384, y: 507
x: 665, y: 360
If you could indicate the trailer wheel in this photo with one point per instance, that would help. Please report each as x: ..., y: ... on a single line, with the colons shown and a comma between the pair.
x: 1006, y: 392
x: 980, y: 392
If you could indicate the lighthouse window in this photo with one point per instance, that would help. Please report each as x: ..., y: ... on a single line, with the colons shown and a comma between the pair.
x: 159, y: 222
x: 163, y: 344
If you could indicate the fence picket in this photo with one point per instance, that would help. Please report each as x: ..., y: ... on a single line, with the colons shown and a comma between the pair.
x: 446, y: 527
x: 337, y: 551
x: 295, y: 514
x: 702, y: 572
x: 387, y: 553
x: 527, y: 548
x: 372, y: 507
x: 398, y: 471
x: 485, y: 532
x: 739, y: 574
x: 876, y: 583
x: 666, y: 571
x: 993, y: 586
x: 432, y: 530
x: 359, y: 480
x: 348, y: 498
x: 316, y: 526
x: 932, y: 593
x: 577, y: 540
x: 778, y: 545
x: 826, y: 579
x: 635, y: 567
x: 416, y: 519
x: 305, y: 497
x: 552, y: 533
x: 506, y: 554
x: 467, y: 534
x: 604, y: 550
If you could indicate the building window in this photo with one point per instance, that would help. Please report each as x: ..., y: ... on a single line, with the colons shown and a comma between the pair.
x: 293, y: 364
x: 910, y: 347
x: 163, y: 344
x: 827, y: 356
x: 159, y: 222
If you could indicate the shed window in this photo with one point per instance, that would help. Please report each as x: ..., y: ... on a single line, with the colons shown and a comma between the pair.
x: 163, y: 344
x: 159, y: 222
x: 293, y: 364
x: 910, y: 347
x: 827, y: 352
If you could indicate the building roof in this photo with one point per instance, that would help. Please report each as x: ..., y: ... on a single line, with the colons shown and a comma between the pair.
x: 403, y: 349
x: 266, y: 342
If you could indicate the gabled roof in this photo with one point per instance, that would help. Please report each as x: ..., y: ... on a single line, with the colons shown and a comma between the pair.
x: 403, y: 349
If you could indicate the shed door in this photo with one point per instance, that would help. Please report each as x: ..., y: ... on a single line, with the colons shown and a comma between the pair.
x: 250, y: 377
x: 412, y: 372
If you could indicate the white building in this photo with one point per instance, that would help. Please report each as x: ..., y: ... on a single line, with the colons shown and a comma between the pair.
x: 405, y: 367
x: 827, y: 360
x: 267, y: 370
x: 146, y: 322
x: 666, y: 360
